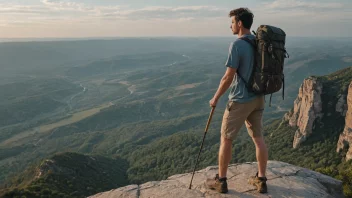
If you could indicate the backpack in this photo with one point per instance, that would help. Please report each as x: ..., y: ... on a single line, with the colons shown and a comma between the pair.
x: 267, y: 76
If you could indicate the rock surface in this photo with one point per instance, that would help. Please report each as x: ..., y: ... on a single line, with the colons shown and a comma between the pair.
x: 307, y: 109
x: 341, y: 105
x: 284, y: 180
x: 345, y: 139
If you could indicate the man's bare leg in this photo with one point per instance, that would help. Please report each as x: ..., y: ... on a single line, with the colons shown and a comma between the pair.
x: 261, y: 154
x: 225, y: 153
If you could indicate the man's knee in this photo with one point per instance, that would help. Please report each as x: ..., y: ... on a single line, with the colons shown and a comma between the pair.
x: 226, y: 141
x: 259, y: 141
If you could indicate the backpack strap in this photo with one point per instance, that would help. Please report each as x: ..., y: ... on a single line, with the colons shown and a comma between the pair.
x: 245, y: 82
x: 270, y: 100
x: 249, y: 41
x: 283, y: 87
x: 254, y: 61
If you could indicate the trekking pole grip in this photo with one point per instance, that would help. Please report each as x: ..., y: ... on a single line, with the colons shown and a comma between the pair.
x: 209, y: 119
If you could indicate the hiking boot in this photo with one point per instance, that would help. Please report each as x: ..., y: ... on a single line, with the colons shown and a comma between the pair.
x: 259, y: 182
x: 217, y: 184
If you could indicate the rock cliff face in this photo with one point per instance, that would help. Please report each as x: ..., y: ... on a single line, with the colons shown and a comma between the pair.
x: 284, y: 180
x: 345, y: 139
x: 307, y: 110
x: 341, y: 105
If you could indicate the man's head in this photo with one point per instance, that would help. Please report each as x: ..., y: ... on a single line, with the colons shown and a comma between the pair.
x: 241, y: 19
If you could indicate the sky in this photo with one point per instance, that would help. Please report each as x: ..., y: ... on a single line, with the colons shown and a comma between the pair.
x: 180, y: 18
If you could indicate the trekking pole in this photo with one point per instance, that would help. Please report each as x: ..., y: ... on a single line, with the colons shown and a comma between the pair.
x: 201, y: 147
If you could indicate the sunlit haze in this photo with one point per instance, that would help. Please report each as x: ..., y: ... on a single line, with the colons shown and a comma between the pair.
x: 138, y: 18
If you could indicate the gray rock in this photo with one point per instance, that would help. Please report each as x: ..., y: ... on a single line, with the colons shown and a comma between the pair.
x: 284, y: 180
x: 341, y: 105
x: 131, y: 191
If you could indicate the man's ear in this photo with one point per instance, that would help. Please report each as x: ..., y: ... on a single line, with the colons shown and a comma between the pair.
x: 239, y: 23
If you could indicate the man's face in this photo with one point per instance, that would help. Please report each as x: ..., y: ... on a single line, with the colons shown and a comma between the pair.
x: 235, y: 26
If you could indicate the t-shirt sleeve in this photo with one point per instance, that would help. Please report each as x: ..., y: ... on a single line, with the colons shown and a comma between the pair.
x: 233, y: 59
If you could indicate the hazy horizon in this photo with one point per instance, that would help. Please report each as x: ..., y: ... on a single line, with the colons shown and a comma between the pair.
x: 163, y: 18
x: 54, y: 39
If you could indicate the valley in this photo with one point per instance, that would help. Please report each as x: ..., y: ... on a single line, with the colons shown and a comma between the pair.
x: 146, y: 105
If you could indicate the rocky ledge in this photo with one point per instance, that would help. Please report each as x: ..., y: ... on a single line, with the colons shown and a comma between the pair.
x: 284, y: 180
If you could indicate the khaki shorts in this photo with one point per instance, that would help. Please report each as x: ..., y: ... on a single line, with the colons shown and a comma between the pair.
x: 236, y: 114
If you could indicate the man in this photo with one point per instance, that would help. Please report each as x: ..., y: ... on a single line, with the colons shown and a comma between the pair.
x: 243, y: 106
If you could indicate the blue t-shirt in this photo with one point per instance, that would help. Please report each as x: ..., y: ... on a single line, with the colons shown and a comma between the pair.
x: 241, y: 57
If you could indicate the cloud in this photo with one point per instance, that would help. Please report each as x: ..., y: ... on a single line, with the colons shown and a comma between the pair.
x: 53, y: 8
x: 63, y: 5
x: 167, y: 13
x: 21, y: 9
x: 297, y: 4
x: 303, y: 12
x: 125, y: 12
x: 56, y: 12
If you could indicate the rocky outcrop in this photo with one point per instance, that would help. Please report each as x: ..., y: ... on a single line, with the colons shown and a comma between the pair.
x: 341, y: 105
x: 345, y: 139
x: 49, y: 166
x: 306, y: 111
x: 284, y: 180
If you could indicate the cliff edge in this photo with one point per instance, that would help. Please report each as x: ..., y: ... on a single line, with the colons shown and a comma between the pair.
x: 284, y: 180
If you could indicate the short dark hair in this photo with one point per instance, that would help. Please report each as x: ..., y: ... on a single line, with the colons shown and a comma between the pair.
x: 244, y: 15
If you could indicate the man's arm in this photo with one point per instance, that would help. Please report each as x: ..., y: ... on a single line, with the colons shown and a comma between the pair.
x: 224, y: 85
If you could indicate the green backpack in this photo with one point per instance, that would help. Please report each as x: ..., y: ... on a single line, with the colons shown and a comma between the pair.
x: 270, y: 53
